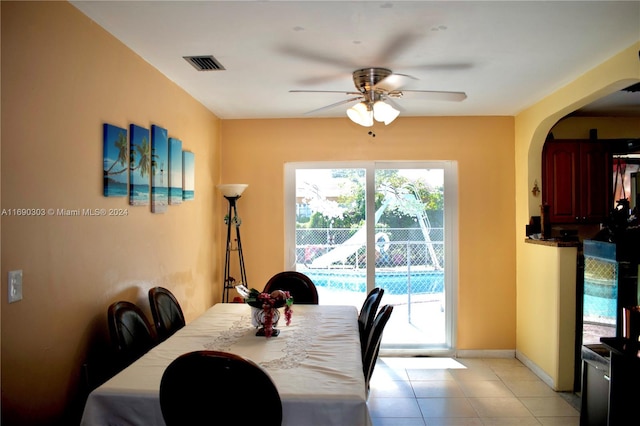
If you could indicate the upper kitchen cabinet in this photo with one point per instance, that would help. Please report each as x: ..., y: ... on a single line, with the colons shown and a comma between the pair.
x: 576, y: 181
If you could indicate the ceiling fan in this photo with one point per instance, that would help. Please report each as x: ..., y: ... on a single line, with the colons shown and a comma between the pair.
x: 376, y: 90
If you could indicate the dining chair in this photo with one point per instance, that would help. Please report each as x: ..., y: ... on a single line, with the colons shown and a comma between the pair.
x: 131, y: 333
x: 197, y: 388
x: 373, y: 343
x: 367, y: 314
x: 300, y: 286
x: 166, y: 311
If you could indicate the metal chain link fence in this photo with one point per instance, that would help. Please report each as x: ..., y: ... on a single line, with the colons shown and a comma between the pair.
x: 407, y: 260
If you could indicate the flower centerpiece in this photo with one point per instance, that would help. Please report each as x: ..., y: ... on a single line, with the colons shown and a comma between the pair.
x: 265, y: 309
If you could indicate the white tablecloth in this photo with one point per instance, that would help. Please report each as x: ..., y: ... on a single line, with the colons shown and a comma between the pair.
x: 315, y: 363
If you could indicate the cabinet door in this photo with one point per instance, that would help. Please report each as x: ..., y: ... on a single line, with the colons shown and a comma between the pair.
x: 560, y: 179
x: 577, y: 181
x: 595, y: 182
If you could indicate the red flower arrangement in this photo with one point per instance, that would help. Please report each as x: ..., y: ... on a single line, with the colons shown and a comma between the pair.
x: 268, y: 303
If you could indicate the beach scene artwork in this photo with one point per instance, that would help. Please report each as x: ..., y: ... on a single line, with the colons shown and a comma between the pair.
x: 159, y: 169
x: 115, y: 161
x: 188, y: 175
x: 175, y: 171
x: 139, y: 166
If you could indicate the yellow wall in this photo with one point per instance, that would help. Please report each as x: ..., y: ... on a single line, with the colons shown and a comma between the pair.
x: 546, y: 313
x: 607, y: 127
x: 533, y: 266
x: 255, y: 152
x: 62, y: 78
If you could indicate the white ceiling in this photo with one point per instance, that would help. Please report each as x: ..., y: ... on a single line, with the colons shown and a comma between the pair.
x: 505, y: 55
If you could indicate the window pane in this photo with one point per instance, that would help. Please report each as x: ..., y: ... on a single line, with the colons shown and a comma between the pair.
x: 330, y: 232
x: 409, y: 244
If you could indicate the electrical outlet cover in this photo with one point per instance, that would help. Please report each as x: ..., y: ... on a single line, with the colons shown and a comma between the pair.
x: 15, y: 286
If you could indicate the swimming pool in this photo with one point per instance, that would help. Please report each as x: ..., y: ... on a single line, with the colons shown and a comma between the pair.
x: 600, y: 301
x: 393, y: 281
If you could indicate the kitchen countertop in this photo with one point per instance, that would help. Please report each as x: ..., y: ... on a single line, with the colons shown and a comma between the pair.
x: 622, y: 346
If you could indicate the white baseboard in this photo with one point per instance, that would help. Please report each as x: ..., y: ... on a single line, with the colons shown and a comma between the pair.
x: 474, y: 353
x: 535, y: 369
x: 485, y: 353
x: 416, y: 352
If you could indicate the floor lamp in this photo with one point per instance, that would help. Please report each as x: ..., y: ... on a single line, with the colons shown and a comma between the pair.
x: 232, y: 192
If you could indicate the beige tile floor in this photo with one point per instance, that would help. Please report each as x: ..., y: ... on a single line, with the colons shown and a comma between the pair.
x: 430, y: 391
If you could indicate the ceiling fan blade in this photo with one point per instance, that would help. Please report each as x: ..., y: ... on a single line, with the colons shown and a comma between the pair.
x: 325, y: 91
x: 304, y: 53
x: 441, y: 67
x: 434, y: 95
x: 359, y: 98
x: 393, y: 82
x: 396, y: 46
x: 314, y: 81
x: 394, y: 104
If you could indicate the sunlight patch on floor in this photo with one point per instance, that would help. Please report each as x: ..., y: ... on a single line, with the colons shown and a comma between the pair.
x: 421, y: 362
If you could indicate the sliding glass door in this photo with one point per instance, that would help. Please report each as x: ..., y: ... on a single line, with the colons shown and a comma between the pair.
x: 355, y: 226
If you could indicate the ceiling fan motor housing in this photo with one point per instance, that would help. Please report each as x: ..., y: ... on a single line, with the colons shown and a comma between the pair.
x: 366, y: 78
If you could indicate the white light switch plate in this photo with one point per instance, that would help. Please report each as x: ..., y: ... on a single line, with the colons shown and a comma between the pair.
x: 15, y: 286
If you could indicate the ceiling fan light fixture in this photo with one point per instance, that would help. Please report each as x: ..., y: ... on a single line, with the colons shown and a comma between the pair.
x: 384, y: 112
x: 361, y: 114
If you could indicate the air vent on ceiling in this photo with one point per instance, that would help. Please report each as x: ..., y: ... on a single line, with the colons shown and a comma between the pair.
x: 204, y: 63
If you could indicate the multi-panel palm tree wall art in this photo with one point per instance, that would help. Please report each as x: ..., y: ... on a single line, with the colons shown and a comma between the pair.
x: 175, y: 171
x: 116, y: 161
x: 139, y: 166
x: 159, y: 169
x: 188, y: 175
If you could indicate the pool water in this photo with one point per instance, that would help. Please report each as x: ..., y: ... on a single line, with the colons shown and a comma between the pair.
x: 600, y: 301
x: 394, y: 282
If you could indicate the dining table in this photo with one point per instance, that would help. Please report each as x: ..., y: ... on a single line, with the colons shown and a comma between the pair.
x: 315, y: 363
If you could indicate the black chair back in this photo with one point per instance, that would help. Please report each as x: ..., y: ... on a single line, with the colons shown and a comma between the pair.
x: 373, y: 344
x: 131, y: 333
x: 367, y: 315
x: 166, y: 311
x: 197, y: 388
x: 300, y: 286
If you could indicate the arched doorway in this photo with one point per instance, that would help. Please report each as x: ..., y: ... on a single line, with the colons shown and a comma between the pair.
x: 538, y: 340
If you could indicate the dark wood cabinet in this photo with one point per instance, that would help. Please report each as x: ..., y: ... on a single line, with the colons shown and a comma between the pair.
x: 576, y: 181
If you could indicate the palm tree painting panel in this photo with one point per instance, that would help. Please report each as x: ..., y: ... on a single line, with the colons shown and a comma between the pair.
x: 159, y: 167
x: 188, y: 175
x: 175, y: 171
x: 139, y: 166
x: 116, y: 161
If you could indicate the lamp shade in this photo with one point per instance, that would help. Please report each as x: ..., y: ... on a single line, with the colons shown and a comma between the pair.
x: 361, y: 114
x: 384, y: 112
x: 232, y: 189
